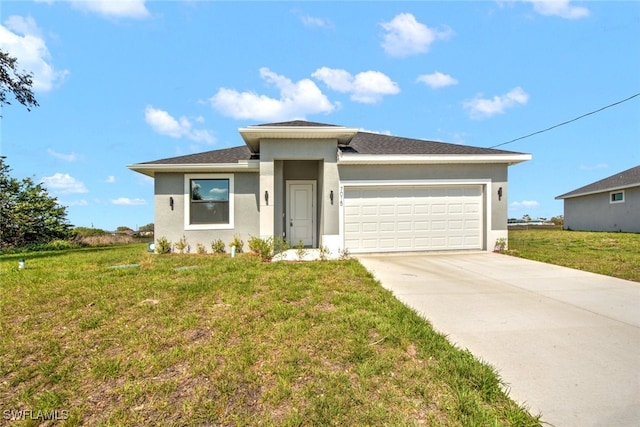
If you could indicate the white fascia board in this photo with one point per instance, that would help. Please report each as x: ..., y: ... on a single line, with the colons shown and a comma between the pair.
x: 390, y: 159
x: 605, y: 190
x: 253, y: 134
x: 241, y: 166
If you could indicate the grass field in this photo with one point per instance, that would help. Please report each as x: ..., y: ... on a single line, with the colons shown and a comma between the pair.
x: 117, y: 336
x: 612, y: 254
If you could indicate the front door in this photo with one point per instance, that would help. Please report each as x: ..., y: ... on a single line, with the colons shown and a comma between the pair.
x: 301, y: 214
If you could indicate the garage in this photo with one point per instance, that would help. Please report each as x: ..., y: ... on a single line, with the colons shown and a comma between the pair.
x: 413, y: 218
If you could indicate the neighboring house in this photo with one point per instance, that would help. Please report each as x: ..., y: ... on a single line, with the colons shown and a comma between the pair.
x: 337, y: 187
x: 611, y: 204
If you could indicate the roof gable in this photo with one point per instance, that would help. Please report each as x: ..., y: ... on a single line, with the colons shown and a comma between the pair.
x: 624, y: 179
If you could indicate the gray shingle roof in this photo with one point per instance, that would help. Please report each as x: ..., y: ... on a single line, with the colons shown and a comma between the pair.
x: 624, y: 179
x: 298, y: 123
x: 374, y: 143
x: 225, y: 155
x: 361, y: 143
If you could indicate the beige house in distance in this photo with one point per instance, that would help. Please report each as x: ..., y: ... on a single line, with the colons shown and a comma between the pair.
x: 338, y: 187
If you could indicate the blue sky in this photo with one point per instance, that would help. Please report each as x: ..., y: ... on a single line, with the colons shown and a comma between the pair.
x: 129, y: 81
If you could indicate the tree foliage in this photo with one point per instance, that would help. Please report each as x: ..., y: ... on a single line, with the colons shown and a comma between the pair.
x: 28, y: 214
x: 14, y: 82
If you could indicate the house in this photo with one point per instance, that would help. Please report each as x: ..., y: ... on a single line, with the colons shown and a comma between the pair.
x: 611, y: 204
x: 335, y: 186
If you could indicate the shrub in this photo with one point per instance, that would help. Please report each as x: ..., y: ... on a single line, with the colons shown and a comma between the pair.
x: 262, y: 247
x: 201, y: 249
x: 301, y: 251
x: 217, y: 246
x: 324, y: 252
x: 182, y: 245
x: 238, y: 243
x: 163, y: 246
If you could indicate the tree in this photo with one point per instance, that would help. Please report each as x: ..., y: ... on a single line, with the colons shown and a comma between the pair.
x: 146, y: 228
x: 14, y: 82
x: 28, y: 214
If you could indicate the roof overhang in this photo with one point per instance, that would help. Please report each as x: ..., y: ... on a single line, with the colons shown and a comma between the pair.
x: 151, y: 169
x: 589, y: 193
x: 393, y: 159
x: 253, y: 134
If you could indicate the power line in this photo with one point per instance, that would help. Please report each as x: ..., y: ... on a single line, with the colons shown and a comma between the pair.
x: 568, y: 121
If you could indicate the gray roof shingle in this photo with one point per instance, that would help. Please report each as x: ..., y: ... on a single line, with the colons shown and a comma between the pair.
x: 627, y: 178
x: 374, y: 143
x: 361, y: 143
x: 225, y: 155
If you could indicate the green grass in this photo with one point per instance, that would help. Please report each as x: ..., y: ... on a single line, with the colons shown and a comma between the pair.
x: 611, y: 254
x: 211, y: 340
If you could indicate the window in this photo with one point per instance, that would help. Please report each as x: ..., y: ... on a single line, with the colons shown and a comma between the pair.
x: 616, y: 197
x: 209, y: 201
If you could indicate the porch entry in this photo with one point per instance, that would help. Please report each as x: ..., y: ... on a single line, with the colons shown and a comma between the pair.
x: 301, y: 212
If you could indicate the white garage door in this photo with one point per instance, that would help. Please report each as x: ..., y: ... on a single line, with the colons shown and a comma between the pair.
x: 389, y: 219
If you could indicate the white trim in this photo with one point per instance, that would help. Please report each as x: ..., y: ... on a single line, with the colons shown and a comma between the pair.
x: 314, y: 214
x: 486, y: 194
x: 187, y: 201
x: 615, y: 202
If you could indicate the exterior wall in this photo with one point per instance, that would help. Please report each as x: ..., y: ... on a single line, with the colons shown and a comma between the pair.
x: 493, y: 176
x: 594, y: 212
x: 170, y: 223
x: 281, y: 160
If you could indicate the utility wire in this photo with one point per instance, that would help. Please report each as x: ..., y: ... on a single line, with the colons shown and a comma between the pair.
x: 568, y: 121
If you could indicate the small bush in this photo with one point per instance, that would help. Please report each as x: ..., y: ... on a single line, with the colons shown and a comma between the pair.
x: 163, y: 246
x: 324, y: 253
x: 217, y: 246
x: 238, y: 243
x: 201, y: 249
x: 262, y: 247
x: 182, y: 245
x: 301, y: 251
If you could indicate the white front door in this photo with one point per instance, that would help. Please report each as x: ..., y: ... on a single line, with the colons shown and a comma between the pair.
x: 301, y: 214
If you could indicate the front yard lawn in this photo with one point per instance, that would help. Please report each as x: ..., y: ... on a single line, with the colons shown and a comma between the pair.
x: 117, y: 336
x: 611, y: 254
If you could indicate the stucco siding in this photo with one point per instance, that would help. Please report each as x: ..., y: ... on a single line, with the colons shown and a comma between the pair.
x: 170, y: 223
x: 595, y: 212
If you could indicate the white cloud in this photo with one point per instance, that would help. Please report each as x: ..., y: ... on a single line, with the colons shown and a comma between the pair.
x: 594, y: 167
x: 71, y: 157
x: 64, y: 184
x: 22, y: 39
x: 111, y: 179
x: 525, y: 204
x: 405, y: 36
x: 113, y: 8
x: 367, y: 87
x: 481, y: 108
x: 165, y: 124
x: 437, y: 80
x: 561, y: 8
x: 125, y: 201
x: 312, y: 21
x: 80, y: 202
x: 296, y: 100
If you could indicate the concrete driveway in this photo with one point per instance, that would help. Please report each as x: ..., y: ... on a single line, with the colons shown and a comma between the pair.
x: 566, y: 342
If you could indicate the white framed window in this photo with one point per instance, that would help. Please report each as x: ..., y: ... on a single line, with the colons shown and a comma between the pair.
x: 208, y: 201
x: 616, y: 197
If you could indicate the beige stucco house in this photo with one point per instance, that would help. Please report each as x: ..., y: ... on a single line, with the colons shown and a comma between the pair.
x: 338, y: 187
x: 610, y: 204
